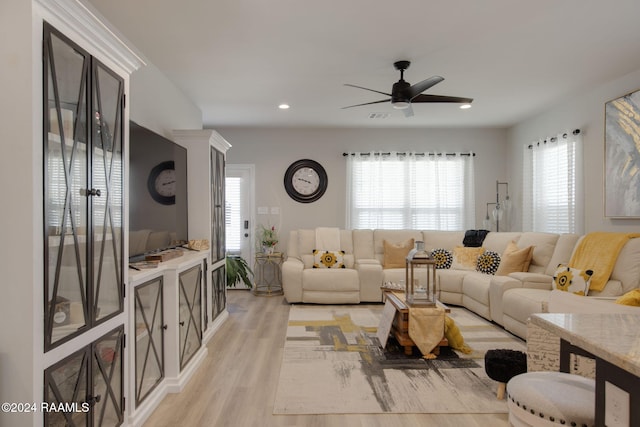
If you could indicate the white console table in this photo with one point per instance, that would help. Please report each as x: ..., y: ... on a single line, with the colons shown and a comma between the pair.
x: 613, y: 340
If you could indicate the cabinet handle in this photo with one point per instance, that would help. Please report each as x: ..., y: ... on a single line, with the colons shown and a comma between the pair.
x: 91, y: 400
x: 92, y: 192
x: 182, y: 323
x: 164, y: 327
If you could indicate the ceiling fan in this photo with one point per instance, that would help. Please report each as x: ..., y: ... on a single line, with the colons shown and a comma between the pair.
x: 404, y: 94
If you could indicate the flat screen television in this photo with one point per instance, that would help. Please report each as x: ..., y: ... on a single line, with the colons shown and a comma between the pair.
x: 157, y: 193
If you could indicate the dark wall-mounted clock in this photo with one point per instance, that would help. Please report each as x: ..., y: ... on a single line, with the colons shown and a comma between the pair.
x: 162, y: 183
x: 305, y: 181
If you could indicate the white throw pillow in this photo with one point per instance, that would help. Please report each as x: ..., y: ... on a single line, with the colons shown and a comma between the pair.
x: 572, y: 280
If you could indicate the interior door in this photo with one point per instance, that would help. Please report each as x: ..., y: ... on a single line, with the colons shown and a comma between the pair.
x: 239, y: 218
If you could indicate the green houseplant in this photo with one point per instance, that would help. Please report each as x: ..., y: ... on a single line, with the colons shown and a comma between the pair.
x: 238, y: 271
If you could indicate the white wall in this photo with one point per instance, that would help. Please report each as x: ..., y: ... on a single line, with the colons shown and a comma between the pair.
x: 586, y: 112
x: 159, y: 105
x: 21, y: 235
x: 272, y: 150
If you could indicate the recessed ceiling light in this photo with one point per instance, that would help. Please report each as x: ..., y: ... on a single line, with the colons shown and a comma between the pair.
x: 283, y: 106
x: 465, y: 106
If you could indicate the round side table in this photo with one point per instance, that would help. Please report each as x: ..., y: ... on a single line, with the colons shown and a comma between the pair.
x: 268, y: 274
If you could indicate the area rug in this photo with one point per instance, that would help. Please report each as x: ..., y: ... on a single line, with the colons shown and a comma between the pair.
x: 333, y: 364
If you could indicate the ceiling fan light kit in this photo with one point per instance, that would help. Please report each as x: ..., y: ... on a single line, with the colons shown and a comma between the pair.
x: 404, y: 94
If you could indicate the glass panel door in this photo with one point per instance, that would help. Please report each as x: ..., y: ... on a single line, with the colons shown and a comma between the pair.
x: 217, y: 205
x: 65, y: 171
x: 108, y: 90
x: 107, y: 377
x: 67, y: 383
x: 218, y: 294
x: 190, y: 313
x: 150, y: 328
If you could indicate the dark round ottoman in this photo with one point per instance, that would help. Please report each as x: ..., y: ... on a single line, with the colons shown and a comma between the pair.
x: 501, y: 365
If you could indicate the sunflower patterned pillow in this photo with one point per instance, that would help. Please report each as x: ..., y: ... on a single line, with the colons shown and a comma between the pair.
x: 328, y: 259
x: 488, y: 262
x: 572, y: 279
x: 442, y: 257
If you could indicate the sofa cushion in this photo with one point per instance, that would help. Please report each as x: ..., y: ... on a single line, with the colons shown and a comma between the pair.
x: 328, y: 259
x: 488, y: 262
x: 562, y: 252
x: 330, y: 280
x: 442, y: 257
x: 434, y: 239
x: 498, y: 242
x: 572, y: 280
x: 395, y: 254
x: 627, y: 268
x: 514, y: 259
x: 392, y: 236
x: 466, y: 258
x: 543, y: 247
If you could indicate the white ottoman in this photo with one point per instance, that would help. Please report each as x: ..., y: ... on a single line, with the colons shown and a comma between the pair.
x: 551, y: 399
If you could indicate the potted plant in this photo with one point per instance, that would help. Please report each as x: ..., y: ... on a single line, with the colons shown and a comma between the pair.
x: 268, y: 238
x: 238, y: 271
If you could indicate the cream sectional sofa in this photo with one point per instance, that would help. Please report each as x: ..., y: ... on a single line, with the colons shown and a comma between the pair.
x: 506, y: 300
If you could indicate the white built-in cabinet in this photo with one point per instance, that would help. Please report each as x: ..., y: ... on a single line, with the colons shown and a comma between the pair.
x: 114, y: 340
x: 85, y: 75
x: 206, y: 151
x: 165, y: 341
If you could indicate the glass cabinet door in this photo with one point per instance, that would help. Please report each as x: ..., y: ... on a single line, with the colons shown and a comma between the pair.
x: 67, y: 383
x: 108, y: 90
x: 86, y: 388
x: 66, y: 166
x: 219, y: 295
x: 217, y: 205
x: 190, y: 313
x: 83, y: 181
x: 149, y: 318
x: 107, y: 376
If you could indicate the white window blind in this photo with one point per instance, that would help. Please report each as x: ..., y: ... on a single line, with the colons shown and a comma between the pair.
x: 233, y: 219
x: 552, y: 185
x: 410, y: 191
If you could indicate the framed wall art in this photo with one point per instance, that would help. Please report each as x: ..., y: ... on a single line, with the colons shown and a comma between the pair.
x: 622, y: 157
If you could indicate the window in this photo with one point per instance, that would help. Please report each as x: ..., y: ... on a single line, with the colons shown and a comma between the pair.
x: 233, y: 218
x: 410, y: 191
x: 552, y: 181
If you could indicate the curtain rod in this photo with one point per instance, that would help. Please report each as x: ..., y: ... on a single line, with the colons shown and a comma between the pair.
x: 416, y: 154
x: 554, y: 139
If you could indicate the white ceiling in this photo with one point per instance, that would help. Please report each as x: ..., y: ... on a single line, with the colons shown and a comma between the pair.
x: 238, y: 59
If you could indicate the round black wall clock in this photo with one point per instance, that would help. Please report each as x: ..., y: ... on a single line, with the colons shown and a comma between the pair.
x: 305, y: 181
x: 162, y: 183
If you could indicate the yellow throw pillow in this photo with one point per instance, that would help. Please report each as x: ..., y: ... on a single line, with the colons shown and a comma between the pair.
x: 395, y: 254
x: 514, y: 259
x: 465, y: 258
x: 630, y: 298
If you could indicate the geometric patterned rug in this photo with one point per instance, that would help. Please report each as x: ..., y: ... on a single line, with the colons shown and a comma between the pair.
x: 333, y: 364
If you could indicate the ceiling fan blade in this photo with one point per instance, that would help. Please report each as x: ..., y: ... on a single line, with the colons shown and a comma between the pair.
x: 420, y: 87
x: 371, y: 90
x: 408, y: 112
x: 441, y: 98
x: 368, y: 103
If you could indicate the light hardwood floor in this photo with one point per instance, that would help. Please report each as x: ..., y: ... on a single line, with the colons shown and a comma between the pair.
x: 236, y: 384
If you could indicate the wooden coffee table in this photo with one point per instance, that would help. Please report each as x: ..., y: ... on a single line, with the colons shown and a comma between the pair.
x: 400, y: 326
